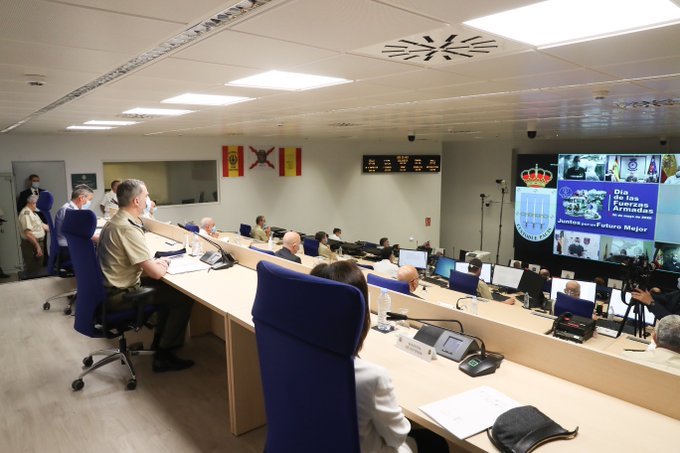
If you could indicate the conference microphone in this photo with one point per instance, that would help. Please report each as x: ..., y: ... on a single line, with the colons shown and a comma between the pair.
x: 391, y: 316
x: 226, y: 259
x: 480, y: 364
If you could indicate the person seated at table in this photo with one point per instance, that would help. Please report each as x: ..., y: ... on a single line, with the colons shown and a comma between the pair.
x: 208, y: 228
x: 382, y: 425
x: 291, y: 245
x: 409, y: 274
x: 337, y: 234
x: 666, y: 336
x: 386, y: 264
x: 260, y: 231
x: 384, y: 242
x: 573, y: 289
x: 483, y: 291
x: 324, y: 249
x: 124, y: 256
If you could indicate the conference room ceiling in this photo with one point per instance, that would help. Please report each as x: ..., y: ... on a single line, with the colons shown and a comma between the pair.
x: 487, y: 94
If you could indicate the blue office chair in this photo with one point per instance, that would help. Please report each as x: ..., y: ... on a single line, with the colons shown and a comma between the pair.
x: 574, y: 305
x: 310, y: 246
x: 389, y: 283
x: 192, y: 227
x: 45, y: 203
x: 91, y: 318
x: 463, y: 282
x: 245, y: 230
x: 268, y: 252
x: 307, y: 330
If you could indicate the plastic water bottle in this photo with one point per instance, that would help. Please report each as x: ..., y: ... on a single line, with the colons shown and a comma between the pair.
x: 186, y: 242
x: 340, y: 251
x: 270, y: 242
x: 384, y: 305
x: 196, y: 246
x: 474, y: 306
x: 107, y: 212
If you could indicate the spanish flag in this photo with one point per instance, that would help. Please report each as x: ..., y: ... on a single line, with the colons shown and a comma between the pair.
x: 290, y: 161
x: 232, y: 161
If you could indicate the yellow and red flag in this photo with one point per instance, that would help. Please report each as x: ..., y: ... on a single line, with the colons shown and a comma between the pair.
x: 232, y: 161
x: 290, y: 161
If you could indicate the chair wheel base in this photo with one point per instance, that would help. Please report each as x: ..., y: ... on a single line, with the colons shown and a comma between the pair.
x: 131, y: 384
x: 88, y: 361
x: 46, y: 306
x: 77, y: 385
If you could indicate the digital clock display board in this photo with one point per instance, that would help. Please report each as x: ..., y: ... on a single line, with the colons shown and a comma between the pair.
x: 401, y: 163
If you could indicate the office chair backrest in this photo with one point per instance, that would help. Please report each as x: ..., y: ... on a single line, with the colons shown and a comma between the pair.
x: 245, y: 230
x: 579, y: 307
x: 191, y: 227
x: 394, y: 285
x: 307, y: 331
x: 463, y: 282
x: 268, y: 252
x: 45, y: 203
x: 78, y: 228
x: 311, y: 246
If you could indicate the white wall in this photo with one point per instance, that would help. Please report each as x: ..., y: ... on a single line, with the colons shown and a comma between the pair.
x: 471, y: 168
x: 331, y: 192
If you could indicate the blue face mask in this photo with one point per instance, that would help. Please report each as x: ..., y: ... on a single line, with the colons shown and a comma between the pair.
x: 35, y: 185
x: 213, y: 230
x: 87, y: 205
x: 148, y: 204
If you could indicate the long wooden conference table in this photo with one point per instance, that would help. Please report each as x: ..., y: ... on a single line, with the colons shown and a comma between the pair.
x: 618, y: 404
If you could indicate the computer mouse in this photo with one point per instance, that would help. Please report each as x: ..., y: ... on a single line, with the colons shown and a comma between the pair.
x: 475, y: 365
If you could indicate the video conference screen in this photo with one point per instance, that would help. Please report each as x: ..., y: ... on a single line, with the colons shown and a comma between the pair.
x: 606, y: 207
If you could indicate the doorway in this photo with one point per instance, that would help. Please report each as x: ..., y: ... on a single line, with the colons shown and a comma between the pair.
x: 52, y: 177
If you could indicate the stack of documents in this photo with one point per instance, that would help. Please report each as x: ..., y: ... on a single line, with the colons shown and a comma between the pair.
x: 183, y: 263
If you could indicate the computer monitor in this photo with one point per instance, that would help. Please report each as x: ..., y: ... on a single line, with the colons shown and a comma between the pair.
x: 507, y: 277
x: 444, y: 266
x: 588, y: 289
x: 618, y: 308
x: 486, y: 270
x: 415, y: 258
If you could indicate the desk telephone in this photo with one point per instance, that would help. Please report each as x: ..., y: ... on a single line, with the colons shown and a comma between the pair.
x: 214, y: 259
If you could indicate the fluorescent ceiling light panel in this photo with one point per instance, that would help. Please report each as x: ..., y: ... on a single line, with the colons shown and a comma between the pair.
x: 290, y: 81
x: 158, y: 112
x: 558, y: 22
x: 205, y: 99
x: 89, y: 128
x: 110, y: 123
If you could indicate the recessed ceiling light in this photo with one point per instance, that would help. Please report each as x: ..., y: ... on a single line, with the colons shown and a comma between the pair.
x: 559, y: 22
x: 89, y: 128
x: 159, y: 112
x: 205, y: 99
x: 290, y: 81
x: 110, y: 123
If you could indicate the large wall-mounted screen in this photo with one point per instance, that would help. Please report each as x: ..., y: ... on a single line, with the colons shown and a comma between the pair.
x: 606, y: 207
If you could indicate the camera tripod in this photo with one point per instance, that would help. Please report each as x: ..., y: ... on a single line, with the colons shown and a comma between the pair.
x: 638, y: 318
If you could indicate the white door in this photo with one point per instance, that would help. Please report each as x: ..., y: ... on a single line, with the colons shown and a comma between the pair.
x: 10, y: 260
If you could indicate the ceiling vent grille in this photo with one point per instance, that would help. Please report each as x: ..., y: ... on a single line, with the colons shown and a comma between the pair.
x: 189, y: 35
x: 654, y: 103
x: 426, y: 48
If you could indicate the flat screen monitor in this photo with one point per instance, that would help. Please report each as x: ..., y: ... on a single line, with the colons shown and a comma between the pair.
x: 486, y: 270
x: 618, y: 308
x: 588, y: 289
x: 508, y: 277
x: 415, y: 258
x: 444, y: 267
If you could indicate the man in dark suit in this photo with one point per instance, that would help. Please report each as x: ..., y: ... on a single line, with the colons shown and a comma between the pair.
x: 33, y: 189
x: 291, y: 245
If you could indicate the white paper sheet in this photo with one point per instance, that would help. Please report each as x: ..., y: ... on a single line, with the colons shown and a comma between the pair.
x: 182, y: 264
x: 471, y: 412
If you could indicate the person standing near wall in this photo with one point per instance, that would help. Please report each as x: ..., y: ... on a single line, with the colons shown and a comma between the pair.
x: 33, y: 232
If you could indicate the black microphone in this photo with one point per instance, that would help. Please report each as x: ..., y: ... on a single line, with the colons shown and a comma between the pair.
x: 227, y: 260
x: 482, y: 363
x: 391, y: 316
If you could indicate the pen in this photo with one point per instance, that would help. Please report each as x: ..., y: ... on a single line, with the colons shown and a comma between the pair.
x: 634, y: 350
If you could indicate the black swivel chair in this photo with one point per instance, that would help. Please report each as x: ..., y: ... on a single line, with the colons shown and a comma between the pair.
x: 92, y: 318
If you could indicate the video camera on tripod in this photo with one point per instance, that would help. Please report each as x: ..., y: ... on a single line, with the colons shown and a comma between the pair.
x: 636, y: 275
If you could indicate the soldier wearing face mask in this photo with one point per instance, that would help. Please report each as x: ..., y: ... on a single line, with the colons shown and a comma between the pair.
x: 81, y: 198
x: 660, y: 304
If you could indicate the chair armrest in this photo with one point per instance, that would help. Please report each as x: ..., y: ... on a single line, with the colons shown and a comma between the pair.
x: 140, y: 298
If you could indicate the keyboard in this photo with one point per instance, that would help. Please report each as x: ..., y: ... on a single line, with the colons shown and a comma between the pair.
x: 606, y: 332
x: 436, y: 281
